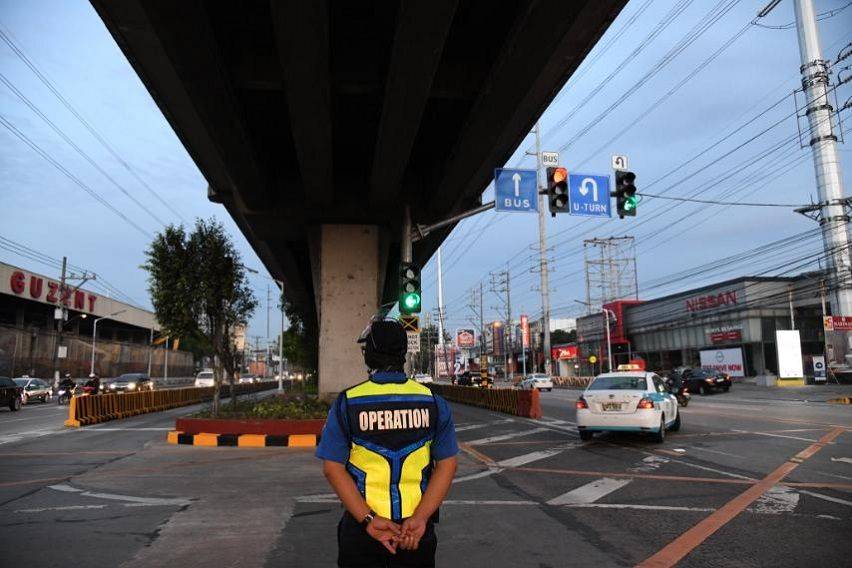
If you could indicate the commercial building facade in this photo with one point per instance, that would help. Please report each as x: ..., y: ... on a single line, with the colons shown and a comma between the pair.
x: 728, y: 325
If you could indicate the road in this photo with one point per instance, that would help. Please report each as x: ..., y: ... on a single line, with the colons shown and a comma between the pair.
x: 528, y: 492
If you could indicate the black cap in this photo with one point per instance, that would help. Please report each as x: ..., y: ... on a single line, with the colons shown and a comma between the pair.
x: 385, y: 336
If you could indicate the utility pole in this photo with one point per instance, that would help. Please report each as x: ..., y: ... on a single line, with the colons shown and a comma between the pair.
x: 542, y: 246
x: 831, y: 211
x: 281, y: 342
x: 440, y: 300
x: 60, y: 325
x: 501, y: 284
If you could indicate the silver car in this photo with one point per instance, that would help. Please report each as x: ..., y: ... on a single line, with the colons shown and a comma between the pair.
x: 34, y: 389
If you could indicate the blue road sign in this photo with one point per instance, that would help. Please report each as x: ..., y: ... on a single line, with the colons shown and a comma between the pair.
x: 515, y: 190
x: 588, y: 195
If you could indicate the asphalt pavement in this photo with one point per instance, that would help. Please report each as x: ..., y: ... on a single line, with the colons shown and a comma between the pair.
x: 755, y: 477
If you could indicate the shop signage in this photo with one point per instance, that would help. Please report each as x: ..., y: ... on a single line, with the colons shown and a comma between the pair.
x: 565, y: 353
x: 710, y: 301
x: 837, y: 323
x: 819, y: 369
x: 525, y: 331
x: 465, y: 338
x: 725, y: 334
x: 789, y: 348
x: 47, y: 291
x: 728, y: 361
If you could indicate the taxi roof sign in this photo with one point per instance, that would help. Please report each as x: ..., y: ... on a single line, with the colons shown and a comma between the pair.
x: 630, y: 367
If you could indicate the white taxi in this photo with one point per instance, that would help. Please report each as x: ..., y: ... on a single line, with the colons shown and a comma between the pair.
x: 627, y: 401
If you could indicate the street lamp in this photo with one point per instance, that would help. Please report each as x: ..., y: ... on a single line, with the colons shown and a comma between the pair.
x: 95, y: 336
x: 280, y: 337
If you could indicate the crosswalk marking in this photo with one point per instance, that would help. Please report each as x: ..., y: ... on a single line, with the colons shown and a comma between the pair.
x: 524, y: 459
x: 508, y: 436
x: 590, y: 492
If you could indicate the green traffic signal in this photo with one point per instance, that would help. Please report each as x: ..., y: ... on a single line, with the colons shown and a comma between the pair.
x: 410, y: 295
x: 411, y: 302
x: 630, y: 203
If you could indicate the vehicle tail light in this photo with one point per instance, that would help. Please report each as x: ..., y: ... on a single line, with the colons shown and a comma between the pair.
x: 581, y: 403
x: 646, y: 403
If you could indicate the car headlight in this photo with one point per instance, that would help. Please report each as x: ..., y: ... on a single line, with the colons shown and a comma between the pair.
x: 708, y: 380
x: 131, y: 386
x: 112, y: 386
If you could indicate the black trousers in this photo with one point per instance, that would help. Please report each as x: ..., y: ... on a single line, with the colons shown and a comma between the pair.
x: 357, y: 549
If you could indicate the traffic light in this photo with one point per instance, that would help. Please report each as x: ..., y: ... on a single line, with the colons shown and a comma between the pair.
x: 410, y: 294
x: 557, y: 190
x: 625, y: 194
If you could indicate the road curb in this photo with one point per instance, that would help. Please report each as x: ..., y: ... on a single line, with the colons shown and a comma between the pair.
x: 841, y: 400
x: 242, y: 440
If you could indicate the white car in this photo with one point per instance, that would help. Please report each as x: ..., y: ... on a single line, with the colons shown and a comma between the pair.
x: 34, y: 389
x: 422, y: 378
x: 538, y: 381
x: 204, y: 379
x: 249, y: 379
x: 627, y: 401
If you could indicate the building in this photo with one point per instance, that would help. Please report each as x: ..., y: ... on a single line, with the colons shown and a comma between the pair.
x: 29, y: 303
x: 732, y: 322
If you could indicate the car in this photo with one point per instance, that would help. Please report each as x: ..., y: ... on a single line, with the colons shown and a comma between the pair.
x: 538, y: 381
x: 704, y: 381
x: 130, y: 382
x: 10, y: 394
x: 422, y: 378
x: 464, y: 379
x: 34, y: 389
x: 204, y: 379
x: 249, y: 379
x: 632, y: 401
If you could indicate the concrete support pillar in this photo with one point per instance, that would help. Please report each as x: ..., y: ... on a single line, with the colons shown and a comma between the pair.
x: 347, y: 275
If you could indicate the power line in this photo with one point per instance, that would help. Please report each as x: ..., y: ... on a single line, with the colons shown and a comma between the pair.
x: 92, y: 130
x: 713, y: 202
x: 20, y: 135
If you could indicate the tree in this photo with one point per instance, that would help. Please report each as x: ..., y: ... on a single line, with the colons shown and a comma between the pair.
x: 301, y: 346
x: 560, y: 336
x: 199, y: 289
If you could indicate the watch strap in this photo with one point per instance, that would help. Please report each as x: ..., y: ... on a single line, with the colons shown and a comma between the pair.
x: 368, y: 518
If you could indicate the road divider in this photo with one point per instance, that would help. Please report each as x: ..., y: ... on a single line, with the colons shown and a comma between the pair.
x: 243, y: 440
x: 92, y: 409
x: 526, y: 403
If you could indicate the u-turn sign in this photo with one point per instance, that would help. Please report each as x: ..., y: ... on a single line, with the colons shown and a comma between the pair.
x: 588, y: 195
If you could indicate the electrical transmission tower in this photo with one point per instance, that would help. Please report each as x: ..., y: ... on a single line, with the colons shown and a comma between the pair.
x: 610, y: 271
x: 501, y: 285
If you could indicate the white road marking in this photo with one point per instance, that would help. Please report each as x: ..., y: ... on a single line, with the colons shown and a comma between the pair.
x: 129, y: 498
x: 554, y: 422
x: 778, y: 499
x: 708, y: 450
x: 479, y: 475
x: 590, y: 492
x: 482, y: 425
x: 826, y: 497
x: 641, y: 507
x: 649, y: 463
x: 524, y: 459
x: 776, y: 435
x: 508, y: 436
x: 66, y: 508
x: 845, y: 460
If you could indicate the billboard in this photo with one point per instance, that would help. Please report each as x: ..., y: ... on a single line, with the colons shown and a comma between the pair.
x: 465, y: 338
x: 789, y: 348
x: 445, y: 358
x: 525, y: 331
x: 728, y: 361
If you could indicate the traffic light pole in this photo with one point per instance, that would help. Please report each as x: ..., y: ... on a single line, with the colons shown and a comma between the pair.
x: 542, y: 246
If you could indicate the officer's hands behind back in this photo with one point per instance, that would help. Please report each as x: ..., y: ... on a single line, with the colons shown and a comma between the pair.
x: 385, y: 531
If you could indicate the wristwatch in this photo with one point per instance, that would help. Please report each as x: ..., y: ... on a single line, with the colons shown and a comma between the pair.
x: 368, y: 518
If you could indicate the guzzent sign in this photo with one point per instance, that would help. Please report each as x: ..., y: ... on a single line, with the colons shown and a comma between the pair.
x: 40, y: 289
x: 710, y: 301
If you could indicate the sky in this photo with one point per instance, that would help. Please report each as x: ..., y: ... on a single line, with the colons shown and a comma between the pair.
x: 588, y: 121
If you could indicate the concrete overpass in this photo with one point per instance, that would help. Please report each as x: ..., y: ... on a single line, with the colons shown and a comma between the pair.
x: 316, y: 122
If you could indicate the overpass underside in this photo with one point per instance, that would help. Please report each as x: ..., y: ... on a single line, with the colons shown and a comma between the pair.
x: 316, y: 122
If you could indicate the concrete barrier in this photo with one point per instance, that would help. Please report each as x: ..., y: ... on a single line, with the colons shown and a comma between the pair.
x: 525, y: 403
x: 91, y: 409
x: 242, y: 440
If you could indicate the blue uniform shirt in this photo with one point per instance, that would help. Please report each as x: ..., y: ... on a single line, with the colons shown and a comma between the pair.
x: 335, y: 442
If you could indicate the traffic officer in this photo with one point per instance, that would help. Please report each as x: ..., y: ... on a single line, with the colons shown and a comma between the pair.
x: 389, y: 448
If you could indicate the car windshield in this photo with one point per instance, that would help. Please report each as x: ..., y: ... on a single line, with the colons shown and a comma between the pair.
x: 205, y: 375
x: 619, y: 383
x: 21, y: 382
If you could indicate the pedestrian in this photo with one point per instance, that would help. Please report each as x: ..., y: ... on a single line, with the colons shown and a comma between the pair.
x: 389, y: 452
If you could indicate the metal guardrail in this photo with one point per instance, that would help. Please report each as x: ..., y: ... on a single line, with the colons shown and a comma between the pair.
x: 91, y: 409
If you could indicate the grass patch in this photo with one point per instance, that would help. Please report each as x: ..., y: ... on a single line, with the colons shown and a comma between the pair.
x: 285, y: 407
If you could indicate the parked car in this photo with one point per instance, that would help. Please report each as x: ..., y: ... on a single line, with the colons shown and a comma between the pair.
x: 422, y: 378
x: 538, y: 381
x: 10, y: 394
x: 636, y: 401
x: 204, y: 379
x: 130, y: 382
x: 704, y: 381
x: 249, y: 379
x: 34, y: 389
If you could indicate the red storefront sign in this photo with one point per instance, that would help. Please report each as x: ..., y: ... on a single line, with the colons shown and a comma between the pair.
x: 837, y: 323
x: 564, y: 352
x: 465, y: 338
x: 710, y: 301
x: 725, y: 334
x: 40, y: 289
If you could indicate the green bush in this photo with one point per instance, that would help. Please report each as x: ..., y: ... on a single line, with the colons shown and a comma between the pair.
x: 287, y: 407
